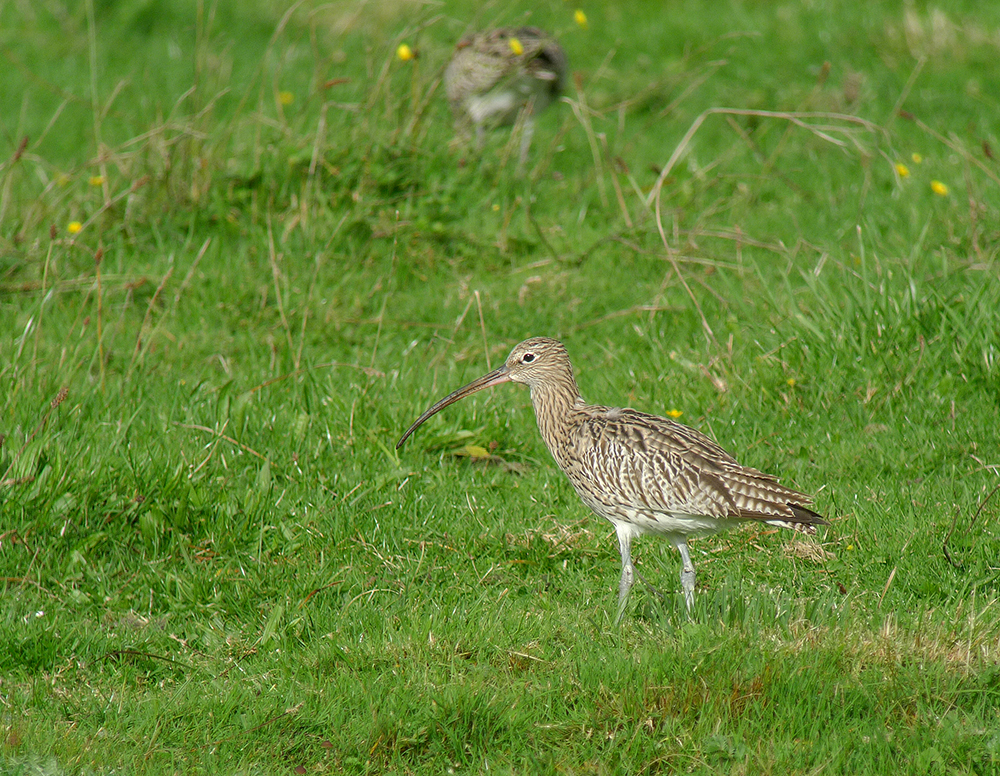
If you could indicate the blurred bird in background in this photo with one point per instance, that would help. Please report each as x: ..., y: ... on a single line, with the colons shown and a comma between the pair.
x: 504, y: 77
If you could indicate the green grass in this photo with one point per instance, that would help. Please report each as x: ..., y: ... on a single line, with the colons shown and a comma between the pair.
x: 212, y: 557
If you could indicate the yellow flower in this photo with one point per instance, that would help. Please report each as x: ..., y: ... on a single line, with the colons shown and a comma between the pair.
x: 74, y: 227
x: 917, y: 158
x: 404, y: 52
x: 902, y: 170
x: 939, y: 188
x: 674, y: 413
x: 791, y: 382
x: 96, y: 180
x: 286, y: 98
x: 580, y: 17
x: 496, y: 207
x: 850, y: 547
x: 516, y: 47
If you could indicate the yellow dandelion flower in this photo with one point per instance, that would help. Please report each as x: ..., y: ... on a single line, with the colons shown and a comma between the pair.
x: 516, y: 47
x: 850, y: 547
x: 496, y: 207
x: 902, y: 170
x: 74, y: 227
x: 286, y: 98
x: 404, y: 53
x: 939, y: 188
x: 96, y: 180
x: 674, y: 414
x: 581, y: 18
x: 917, y: 158
x: 791, y: 382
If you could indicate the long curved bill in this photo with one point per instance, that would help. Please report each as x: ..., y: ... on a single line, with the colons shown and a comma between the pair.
x: 497, y: 376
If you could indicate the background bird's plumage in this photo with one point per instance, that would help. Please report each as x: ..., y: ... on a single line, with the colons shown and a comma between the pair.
x: 496, y: 76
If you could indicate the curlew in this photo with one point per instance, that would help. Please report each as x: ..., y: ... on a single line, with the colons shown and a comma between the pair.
x: 500, y: 76
x: 644, y: 473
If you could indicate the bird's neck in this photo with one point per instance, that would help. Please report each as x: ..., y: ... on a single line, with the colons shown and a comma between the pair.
x: 553, y: 402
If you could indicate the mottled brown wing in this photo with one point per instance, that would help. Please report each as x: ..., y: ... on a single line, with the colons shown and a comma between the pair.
x: 649, y: 463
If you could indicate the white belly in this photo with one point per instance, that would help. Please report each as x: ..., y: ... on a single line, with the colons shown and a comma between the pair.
x: 668, y: 524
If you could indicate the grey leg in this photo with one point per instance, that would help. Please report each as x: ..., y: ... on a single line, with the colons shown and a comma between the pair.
x: 687, y: 573
x: 625, y: 585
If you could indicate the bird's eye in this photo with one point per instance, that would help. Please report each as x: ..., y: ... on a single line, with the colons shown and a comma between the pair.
x: 527, y: 358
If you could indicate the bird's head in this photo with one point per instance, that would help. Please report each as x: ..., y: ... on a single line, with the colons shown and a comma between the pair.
x: 536, y: 362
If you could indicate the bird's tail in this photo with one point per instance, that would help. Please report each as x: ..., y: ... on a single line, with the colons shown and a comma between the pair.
x: 805, y: 520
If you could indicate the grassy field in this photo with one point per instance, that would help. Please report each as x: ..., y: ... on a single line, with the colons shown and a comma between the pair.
x: 239, y: 255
